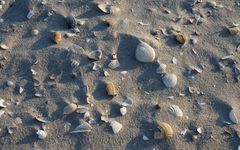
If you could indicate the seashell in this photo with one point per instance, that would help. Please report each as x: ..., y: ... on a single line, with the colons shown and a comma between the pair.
x: 71, y: 22
x: 86, y: 115
x: 111, y: 90
x: 33, y: 72
x: 212, y: 4
x: 145, y: 53
x: 161, y: 68
x: 116, y: 126
x: 181, y: 38
x: 106, y: 73
x: 234, y: 30
x: 4, y: 47
x: 175, y: 110
x: 69, y: 109
x: 123, y: 111
x: 170, y: 80
x: 21, y: 90
x: 86, y: 91
x: 82, y: 109
x: 35, y: 32
x: 175, y: 60
x: 166, y: 130
x: 1, y: 103
x: 95, y: 67
x: 76, y: 30
x: 233, y: 116
x: 145, y: 138
x: 114, y: 64
x: 75, y: 64
x: 30, y: 14
x: 104, y: 8
x: 10, y: 84
x: 1, y: 112
x: 42, y: 120
x: 57, y: 37
x: 95, y: 55
x: 199, y: 130
x: 127, y: 102
x: 84, y: 127
x: 104, y: 118
x: 41, y: 134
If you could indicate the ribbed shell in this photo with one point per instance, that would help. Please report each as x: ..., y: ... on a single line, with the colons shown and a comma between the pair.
x: 167, y: 129
x: 170, y: 80
x: 175, y: 110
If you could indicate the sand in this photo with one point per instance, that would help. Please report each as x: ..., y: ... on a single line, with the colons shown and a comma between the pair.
x: 217, y: 90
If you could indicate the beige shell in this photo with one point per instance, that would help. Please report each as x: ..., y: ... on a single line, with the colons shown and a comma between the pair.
x: 175, y: 110
x: 104, y: 8
x: 116, y: 126
x: 41, y: 134
x: 181, y: 38
x: 145, y: 53
x: 57, y: 37
x: 170, y: 80
x: 234, y: 117
x: 166, y: 130
x: 69, y: 109
x: 234, y: 30
x: 111, y: 90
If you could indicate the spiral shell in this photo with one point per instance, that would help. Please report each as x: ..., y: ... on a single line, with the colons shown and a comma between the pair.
x: 166, y: 130
x: 175, y: 110
x: 145, y: 53
x: 170, y: 80
x: 57, y: 37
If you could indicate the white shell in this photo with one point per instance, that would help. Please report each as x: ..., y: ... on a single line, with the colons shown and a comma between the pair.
x: 170, y: 80
x: 116, y: 126
x: 30, y: 14
x: 114, y: 64
x: 145, y: 53
x: 95, y: 67
x: 35, y: 32
x: 127, y: 102
x: 161, y: 68
x: 175, y: 110
x: 123, y: 111
x: 41, y: 134
x: 145, y: 138
x: 233, y: 116
x: 84, y: 127
x: 1, y: 103
x: 4, y: 47
x: 86, y: 115
x: 75, y: 64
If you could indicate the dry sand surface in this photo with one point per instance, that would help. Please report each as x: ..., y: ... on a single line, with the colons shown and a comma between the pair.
x: 39, y: 78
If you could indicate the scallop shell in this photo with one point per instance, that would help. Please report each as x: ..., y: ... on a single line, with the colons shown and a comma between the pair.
x: 57, y: 37
x: 116, y: 126
x: 145, y: 53
x: 175, y: 110
x: 69, y: 109
x: 84, y: 127
x: 123, y: 111
x: 170, y: 80
x: 233, y: 116
x: 114, y: 64
x: 95, y: 55
x: 181, y: 38
x: 111, y: 90
x: 166, y: 130
x: 41, y: 134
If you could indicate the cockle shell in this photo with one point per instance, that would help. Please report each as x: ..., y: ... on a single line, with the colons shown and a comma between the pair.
x: 57, y: 37
x: 84, y: 127
x: 69, y: 109
x: 175, y: 110
x: 170, y: 80
x: 116, y: 126
x: 166, y: 130
x: 234, y: 117
x: 145, y: 53
x: 111, y: 90
x: 41, y: 134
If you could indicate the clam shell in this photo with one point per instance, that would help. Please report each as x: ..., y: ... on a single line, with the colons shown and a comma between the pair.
x: 4, y: 47
x: 175, y: 110
x: 69, y: 109
x: 233, y: 116
x: 166, y: 130
x: 111, y: 90
x: 41, y: 134
x: 95, y: 55
x: 84, y: 127
x: 57, y: 37
x: 170, y: 80
x: 1, y: 103
x: 114, y: 64
x: 181, y: 38
x: 116, y: 126
x: 123, y: 111
x: 145, y: 53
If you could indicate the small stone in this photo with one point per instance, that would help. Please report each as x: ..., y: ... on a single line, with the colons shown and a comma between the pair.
x: 111, y: 90
x: 181, y: 38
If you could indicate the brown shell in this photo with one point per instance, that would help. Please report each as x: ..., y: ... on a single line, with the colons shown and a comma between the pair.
x: 57, y: 37
x: 111, y: 90
x: 166, y: 130
x: 69, y: 109
x: 181, y: 38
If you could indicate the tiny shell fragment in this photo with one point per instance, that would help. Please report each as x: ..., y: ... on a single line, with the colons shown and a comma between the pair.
x: 111, y: 90
x: 69, y: 109
x: 57, y: 37
x: 123, y: 111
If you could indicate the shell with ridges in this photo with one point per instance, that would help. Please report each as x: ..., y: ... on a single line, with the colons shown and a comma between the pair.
x: 170, y: 80
x: 166, y: 130
x: 145, y: 53
x: 175, y: 110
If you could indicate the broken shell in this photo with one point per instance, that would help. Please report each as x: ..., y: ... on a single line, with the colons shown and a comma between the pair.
x: 82, y: 109
x: 4, y: 47
x: 84, y: 127
x: 69, y: 109
x: 161, y: 68
x: 21, y: 90
x: 212, y: 4
x: 71, y: 22
x: 145, y: 138
x: 145, y: 53
x: 111, y: 90
x: 10, y: 84
x: 86, y: 115
x: 116, y: 126
x: 175, y: 110
x: 234, y: 30
x: 1, y: 103
x: 123, y: 111
x: 104, y: 118
x: 181, y: 38
x: 166, y: 130
x: 127, y: 102
x: 1, y: 112
x: 114, y: 64
x: 170, y: 80
x: 30, y: 14
x: 57, y: 37
x: 95, y: 55
x: 75, y: 64
x: 233, y: 116
x: 41, y: 134
x: 106, y: 73
x: 199, y: 130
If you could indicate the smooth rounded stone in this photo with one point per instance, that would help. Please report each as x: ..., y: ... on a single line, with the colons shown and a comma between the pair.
x: 145, y: 53
x: 170, y: 80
